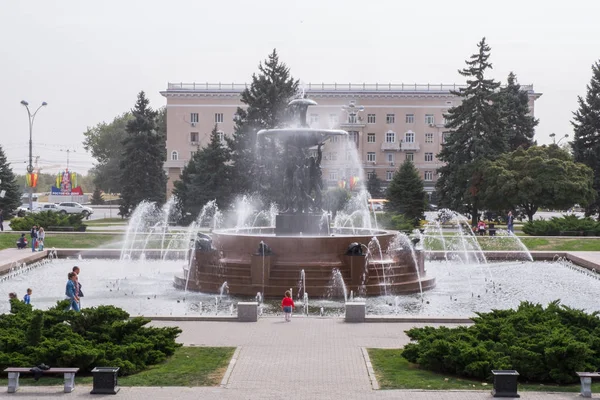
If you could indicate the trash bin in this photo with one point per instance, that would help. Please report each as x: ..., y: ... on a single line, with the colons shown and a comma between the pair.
x: 105, y: 380
x: 505, y: 383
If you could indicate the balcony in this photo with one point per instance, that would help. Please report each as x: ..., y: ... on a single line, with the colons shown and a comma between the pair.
x: 390, y: 146
x: 410, y: 146
x: 175, y: 164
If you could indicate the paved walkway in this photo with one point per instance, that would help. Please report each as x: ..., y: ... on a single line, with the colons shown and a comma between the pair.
x: 309, y: 358
x: 10, y: 257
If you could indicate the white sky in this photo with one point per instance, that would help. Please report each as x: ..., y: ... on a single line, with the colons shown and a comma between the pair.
x: 88, y: 60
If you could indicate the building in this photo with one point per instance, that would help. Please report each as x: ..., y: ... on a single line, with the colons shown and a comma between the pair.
x: 387, y: 124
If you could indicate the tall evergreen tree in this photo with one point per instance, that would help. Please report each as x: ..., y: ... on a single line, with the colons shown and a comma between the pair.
x: 517, y: 119
x: 476, y: 135
x: 586, y: 125
x: 206, y: 177
x: 258, y: 167
x: 97, y: 198
x: 8, y: 183
x: 406, y: 193
x: 374, y: 186
x: 142, y: 173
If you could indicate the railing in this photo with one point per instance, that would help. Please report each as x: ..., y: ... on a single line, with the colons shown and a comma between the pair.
x: 390, y: 146
x: 329, y: 87
x: 410, y: 146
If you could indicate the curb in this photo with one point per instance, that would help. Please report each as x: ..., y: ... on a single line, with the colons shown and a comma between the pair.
x: 236, y: 355
x: 370, y: 371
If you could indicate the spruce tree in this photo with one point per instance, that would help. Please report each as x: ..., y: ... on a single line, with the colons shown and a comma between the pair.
x: 97, y: 198
x: 586, y: 125
x: 374, y: 186
x: 406, y: 193
x: 8, y: 183
x: 258, y: 164
x: 519, y: 124
x: 142, y: 173
x: 206, y: 177
x: 476, y: 134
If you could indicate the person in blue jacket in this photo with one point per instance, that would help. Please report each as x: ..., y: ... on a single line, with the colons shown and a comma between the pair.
x: 71, y: 291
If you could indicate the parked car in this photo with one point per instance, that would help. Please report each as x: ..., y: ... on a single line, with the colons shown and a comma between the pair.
x: 47, y: 207
x: 74, y: 208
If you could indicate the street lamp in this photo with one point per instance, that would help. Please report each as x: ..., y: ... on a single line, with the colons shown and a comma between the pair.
x: 30, y: 166
x: 553, y: 136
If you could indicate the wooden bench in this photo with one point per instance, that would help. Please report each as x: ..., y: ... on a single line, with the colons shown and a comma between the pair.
x: 13, y: 377
x: 586, y: 382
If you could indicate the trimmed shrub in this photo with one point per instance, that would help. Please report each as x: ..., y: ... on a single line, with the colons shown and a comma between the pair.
x: 47, y: 219
x: 544, y: 344
x: 94, y: 337
x: 568, y: 225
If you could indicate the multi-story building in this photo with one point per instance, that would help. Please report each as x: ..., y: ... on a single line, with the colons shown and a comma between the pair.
x: 388, y: 123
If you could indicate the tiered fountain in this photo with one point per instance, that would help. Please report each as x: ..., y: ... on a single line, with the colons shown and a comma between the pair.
x: 269, y: 260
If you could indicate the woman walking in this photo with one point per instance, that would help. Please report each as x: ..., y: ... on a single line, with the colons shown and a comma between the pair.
x: 71, y: 291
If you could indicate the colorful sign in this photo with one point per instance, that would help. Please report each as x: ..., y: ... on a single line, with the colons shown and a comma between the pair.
x: 32, y: 178
x: 66, y: 184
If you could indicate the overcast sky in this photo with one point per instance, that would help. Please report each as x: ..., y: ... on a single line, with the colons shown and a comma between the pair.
x: 88, y: 60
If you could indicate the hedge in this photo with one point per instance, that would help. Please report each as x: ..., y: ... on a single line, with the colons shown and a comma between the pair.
x: 102, y: 336
x: 543, y: 344
x: 47, y: 219
x: 568, y: 225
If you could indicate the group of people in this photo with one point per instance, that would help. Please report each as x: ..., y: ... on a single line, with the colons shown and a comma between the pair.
x: 481, y: 228
x: 37, y: 234
x: 26, y: 298
x: 72, y: 291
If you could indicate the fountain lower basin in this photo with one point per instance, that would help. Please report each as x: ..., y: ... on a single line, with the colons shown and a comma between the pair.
x: 235, y: 257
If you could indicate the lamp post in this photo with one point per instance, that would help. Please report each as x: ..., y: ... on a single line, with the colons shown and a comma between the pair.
x: 30, y: 166
x: 553, y: 136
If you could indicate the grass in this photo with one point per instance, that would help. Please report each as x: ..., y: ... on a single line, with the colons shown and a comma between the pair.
x: 532, y: 243
x: 106, y: 222
x: 63, y: 240
x: 189, y: 366
x: 395, y: 372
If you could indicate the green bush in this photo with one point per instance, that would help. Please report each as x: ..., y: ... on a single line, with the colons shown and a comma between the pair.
x: 568, y: 225
x: 395, y: 221
x: 102, y: 336
x: 544, y: 344
x: 47, y: 219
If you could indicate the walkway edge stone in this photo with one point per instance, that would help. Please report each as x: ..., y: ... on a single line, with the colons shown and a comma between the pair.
x: 370, y: 370
x: 229, y: 370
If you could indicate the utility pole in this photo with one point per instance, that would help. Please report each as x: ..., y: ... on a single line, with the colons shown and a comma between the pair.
x: 30, y: 166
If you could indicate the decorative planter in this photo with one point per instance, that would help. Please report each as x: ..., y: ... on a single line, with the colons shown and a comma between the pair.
x: 505, y: 383
x: 105, y: 380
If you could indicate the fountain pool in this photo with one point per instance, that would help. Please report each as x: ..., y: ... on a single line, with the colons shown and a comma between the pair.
x: 144, y: 287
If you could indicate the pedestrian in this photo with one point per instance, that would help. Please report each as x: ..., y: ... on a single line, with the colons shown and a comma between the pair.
x: 27, y: 297
x: 33, y: 235
x: 509, y: 222
x: 40, y: 239
x: 287, y: 304
x: 481, y: 228
x: 1, y: 220
x: 71, y: 292
x: 22, y: 242
x: 76, y: 270
x: 11, y: 296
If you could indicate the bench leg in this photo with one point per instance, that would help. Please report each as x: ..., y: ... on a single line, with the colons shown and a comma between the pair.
x: 586, y: 386
x: 69, y: 382
x: 13, y: 382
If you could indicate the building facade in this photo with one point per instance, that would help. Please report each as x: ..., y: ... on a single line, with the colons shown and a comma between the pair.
x: 386, y: 123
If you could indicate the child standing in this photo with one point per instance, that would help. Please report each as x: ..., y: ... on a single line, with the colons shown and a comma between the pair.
x: 27, y: 297
x: 287, y: 304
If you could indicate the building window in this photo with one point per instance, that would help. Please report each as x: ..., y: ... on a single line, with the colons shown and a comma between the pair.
x: 409, y: 137
x: 390, y: 158
x: 174, y: 155
x: 371, y: 174
x: 410, y: 156
x: 333, y: 156
x: 429, y: 119
x: 428, y: 157
x: 352, y: 119
x: 192, y: 154
x: 390, y: 137
x: 429, y: 138
x: 389, y: 175
x: 334, y: 139
x: 194, y: 117
x: 218, y: 118
x: 353, y: 137
x: 444, y: 137
x: 370, y: 138
x: 390, y: 118
x: 333, y: 175
x: 371, y: 157
x: 333, y: 120
x: 221, y: 135
x: 410, y: 118
x: 194, y: 137
x: 428, y: 176
x: 314, y: 119
x: 348, y: 156
x: 370, y: 118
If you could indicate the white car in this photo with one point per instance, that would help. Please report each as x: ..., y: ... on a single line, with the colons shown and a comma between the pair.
x: 46, y: 207
x: 74, y: 208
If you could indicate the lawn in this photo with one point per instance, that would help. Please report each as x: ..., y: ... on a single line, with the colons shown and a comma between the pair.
x: 106, y: 222
x: 63, y: 240
x: 532, y: 243
x: 395, y: 372
x: 189, y: 366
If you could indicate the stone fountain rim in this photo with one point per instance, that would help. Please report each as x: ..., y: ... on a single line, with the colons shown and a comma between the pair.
x: 245, y: 232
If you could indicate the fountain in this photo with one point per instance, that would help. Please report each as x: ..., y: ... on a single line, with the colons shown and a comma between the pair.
x: 300, y: 239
